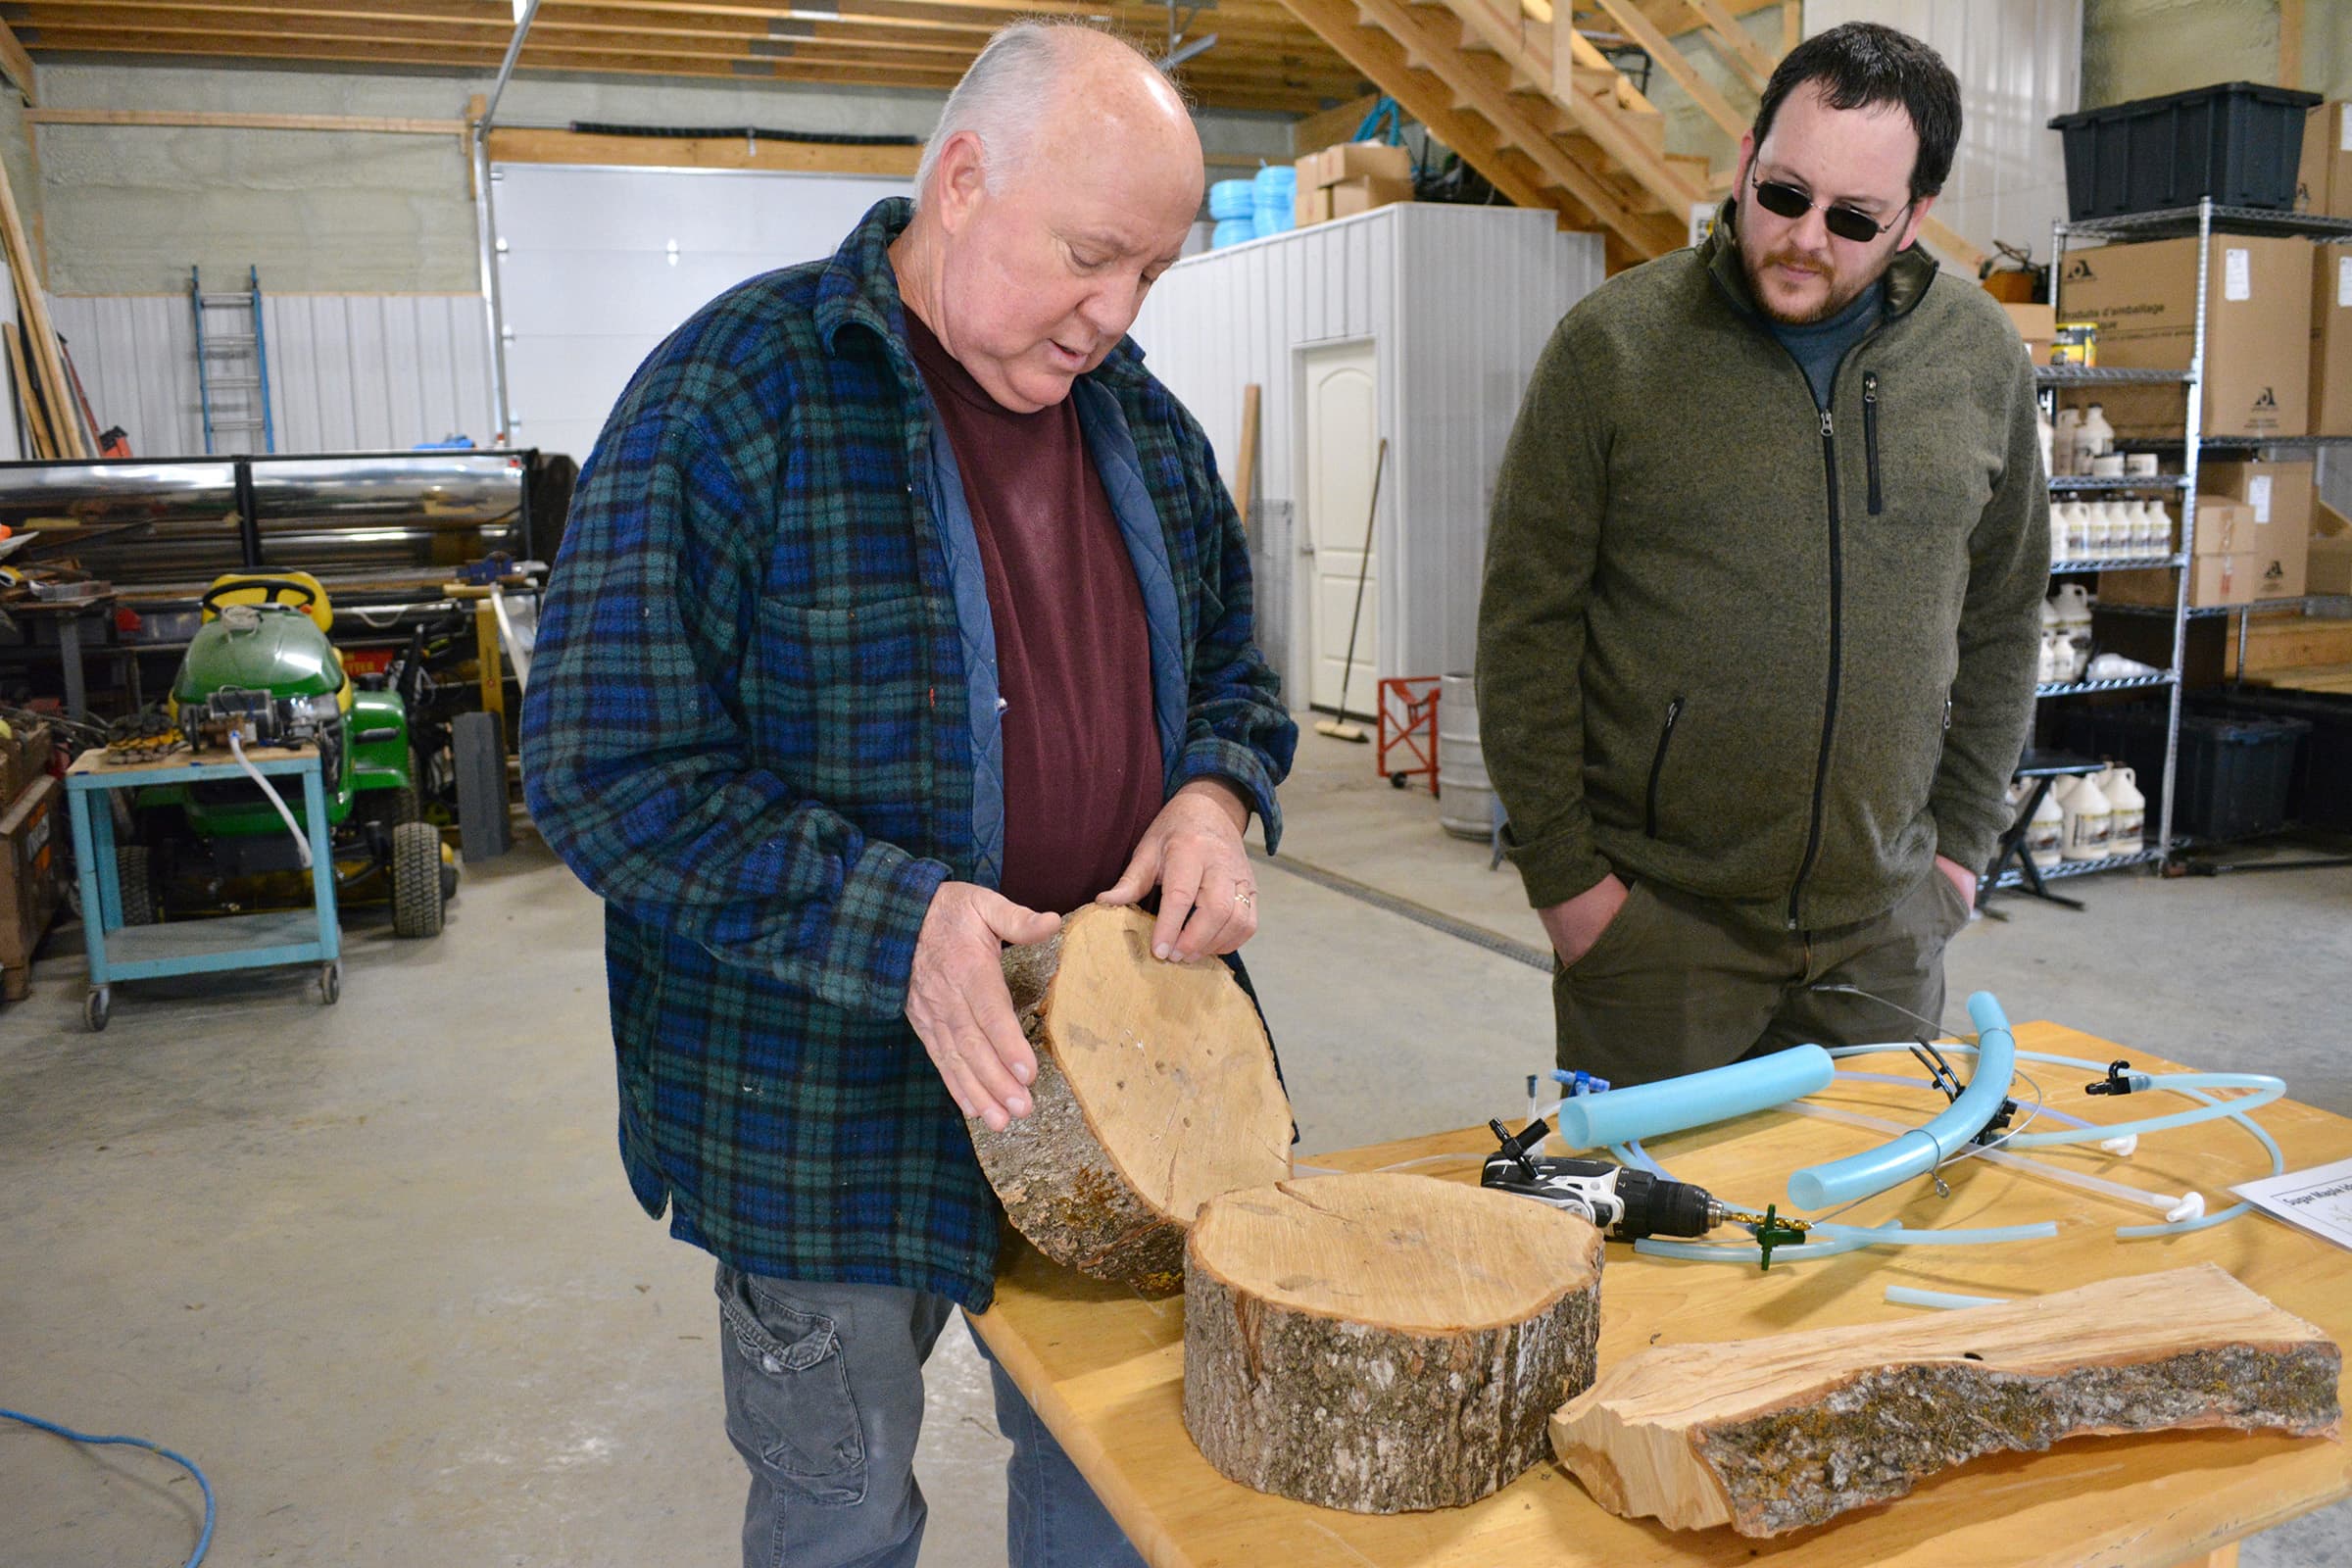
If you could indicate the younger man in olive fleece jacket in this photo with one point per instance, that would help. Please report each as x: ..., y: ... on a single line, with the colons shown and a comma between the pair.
x: 1757, y: 643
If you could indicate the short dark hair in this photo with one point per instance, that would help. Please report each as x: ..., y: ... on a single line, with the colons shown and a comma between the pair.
x: 1861, y: 65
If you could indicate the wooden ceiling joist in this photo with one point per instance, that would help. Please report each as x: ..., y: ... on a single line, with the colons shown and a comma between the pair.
x: 1266, y: 60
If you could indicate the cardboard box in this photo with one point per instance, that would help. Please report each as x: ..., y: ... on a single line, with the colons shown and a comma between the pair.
x: 1354, y: 160
x: 2320, y: 126
x: 2245, y: 578
x: 2335, y: 135
x: 2257, y: 331
x: 2274, y: 495
x: 2224, y: 526
x: 2038, y: 324
x: 32, y: 856
x: 1353, y: 196
x: 2332, y: 340
x: 1311, y: 206
x: 2330, y: 566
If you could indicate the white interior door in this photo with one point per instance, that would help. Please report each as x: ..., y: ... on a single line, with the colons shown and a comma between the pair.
x: 1342, y: 435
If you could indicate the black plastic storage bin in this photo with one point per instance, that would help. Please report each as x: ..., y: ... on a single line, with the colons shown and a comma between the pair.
x: 2318, y: 792
x: 2238, y: 142
x: 2233, y: 770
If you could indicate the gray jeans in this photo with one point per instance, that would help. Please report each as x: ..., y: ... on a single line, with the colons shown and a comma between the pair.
x: 1675, y: 985
x: 824, y: 1387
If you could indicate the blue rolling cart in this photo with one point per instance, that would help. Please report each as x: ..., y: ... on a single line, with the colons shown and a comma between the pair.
x: 120, y: 952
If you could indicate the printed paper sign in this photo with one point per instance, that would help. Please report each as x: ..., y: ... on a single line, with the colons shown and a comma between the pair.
x: 2344, y: 282
x: 2237, y: 274
x: 2318, y: 1200
x: 2258, y: 496
x: 2343, y: 137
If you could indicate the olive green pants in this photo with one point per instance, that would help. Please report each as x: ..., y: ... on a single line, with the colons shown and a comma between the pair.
x: 1677, y: 985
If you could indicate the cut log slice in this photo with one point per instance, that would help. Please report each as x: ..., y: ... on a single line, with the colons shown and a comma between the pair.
x: 1383, y: 1343
x: 1775, y: 1433
x: 1156, y: 1091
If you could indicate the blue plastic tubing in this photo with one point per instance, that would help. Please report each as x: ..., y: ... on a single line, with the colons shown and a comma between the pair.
x: 1915, y: 1152
x: 1651, y: 1110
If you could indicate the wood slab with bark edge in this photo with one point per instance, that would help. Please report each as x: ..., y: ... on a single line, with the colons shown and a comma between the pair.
x: 1383, y: 1341
x: 1156, y: 1091
x: 1775, y: 1434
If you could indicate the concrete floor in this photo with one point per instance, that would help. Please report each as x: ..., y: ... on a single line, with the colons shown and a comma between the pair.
x: 375, y: 1268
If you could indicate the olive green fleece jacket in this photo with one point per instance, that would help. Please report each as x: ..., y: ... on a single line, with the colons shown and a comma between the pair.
x: 1769, y: 656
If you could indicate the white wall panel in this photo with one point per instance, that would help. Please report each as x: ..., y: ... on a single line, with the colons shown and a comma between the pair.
x: 2019, y: 62
x: 1458, y: 302
x: 348, y: 372
x: 590, y: 285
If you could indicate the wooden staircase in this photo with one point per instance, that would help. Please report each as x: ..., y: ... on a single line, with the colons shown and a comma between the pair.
x: 1519, y: 90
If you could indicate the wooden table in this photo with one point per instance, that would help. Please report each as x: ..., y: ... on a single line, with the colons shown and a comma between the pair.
x: 1105, y: 1369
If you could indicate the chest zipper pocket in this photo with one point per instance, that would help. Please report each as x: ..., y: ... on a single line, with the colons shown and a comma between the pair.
x: 1657, y: 767
x: 1870, y: 437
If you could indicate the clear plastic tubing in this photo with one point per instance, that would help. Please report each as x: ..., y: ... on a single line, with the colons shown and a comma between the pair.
x: 2162, y: 1203
x: 2266, y: 1089
x: 1650, y: 1110
x: 1948, y: 1301
x: 2045, y: 1114
x: 1923, y: 1149
x: 1835, y: 1239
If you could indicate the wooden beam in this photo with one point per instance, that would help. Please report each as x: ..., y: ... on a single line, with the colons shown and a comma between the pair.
x: 244, y: 122
x: 1676, y: 64
x: 17, y: 64
x: 1947, y: 244
x: 2290, y: 43
x: 1792, y: 26
x: 1739, y: 50
x: 1484, y: 81
x: 1383, y: 59
x: 509, y: 146
x: 1332, y: 126
x: 461, y: 21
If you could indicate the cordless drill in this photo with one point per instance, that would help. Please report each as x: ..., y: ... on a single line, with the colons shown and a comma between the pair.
x: 1627, y: 1203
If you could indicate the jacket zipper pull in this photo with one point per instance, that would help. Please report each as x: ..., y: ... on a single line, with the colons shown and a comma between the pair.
x: 1828, y: 432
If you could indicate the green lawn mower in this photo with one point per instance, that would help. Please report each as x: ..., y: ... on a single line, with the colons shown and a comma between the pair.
x: 262, y: 672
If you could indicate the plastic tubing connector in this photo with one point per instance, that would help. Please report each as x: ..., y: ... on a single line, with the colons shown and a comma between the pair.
x: 1651, y: 1110
x: 1923, y: 1149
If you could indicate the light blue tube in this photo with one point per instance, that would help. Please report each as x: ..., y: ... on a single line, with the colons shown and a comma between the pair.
x: 1922, y: 1149
x: 2266, y: 1089
x: 1957, y: 1236
x: 1948, y: 1301
x: 1650, y: 1110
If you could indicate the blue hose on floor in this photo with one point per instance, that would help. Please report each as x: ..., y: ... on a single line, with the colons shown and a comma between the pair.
x: 204, y: 1542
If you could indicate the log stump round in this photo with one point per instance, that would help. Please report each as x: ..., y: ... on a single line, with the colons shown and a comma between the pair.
x: 1382, y: 1343
x: 1156, y: 1091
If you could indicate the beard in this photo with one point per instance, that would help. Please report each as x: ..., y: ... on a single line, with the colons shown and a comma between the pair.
x: 1843, y: 290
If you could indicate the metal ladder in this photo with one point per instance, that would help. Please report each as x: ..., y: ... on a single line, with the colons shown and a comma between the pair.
x: 233, y: 362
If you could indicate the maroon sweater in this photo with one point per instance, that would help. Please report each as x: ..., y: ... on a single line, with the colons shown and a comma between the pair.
x: 1082, y: 763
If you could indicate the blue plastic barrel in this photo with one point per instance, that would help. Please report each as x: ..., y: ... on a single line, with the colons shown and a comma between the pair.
x: 1231, y: 198
x: 1274, y: 199
x: 1233, y: 232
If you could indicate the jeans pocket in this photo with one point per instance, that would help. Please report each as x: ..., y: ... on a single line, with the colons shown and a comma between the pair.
x: 788, y: 1392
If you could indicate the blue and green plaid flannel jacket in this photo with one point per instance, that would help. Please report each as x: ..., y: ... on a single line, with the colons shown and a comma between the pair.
x: 762, y: 725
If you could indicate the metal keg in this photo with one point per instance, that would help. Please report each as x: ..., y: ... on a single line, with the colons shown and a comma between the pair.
x: 1465, y: 795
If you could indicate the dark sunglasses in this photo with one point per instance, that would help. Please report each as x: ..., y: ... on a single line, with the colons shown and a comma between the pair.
x: 1787, y: 201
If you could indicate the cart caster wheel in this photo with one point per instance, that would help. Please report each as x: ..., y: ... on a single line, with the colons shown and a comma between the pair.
x: 97, y: 1008
x: 1395, y: 781
x: 330, y: 983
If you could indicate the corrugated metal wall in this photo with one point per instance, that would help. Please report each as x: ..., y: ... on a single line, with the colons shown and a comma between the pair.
x: 348, y: 372
x: 1458, y: 301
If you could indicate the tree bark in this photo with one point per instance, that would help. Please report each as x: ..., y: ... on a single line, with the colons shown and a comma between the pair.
x: 1383, y: 1343
x: 1775, y: 1433
x: 1156, y: 1089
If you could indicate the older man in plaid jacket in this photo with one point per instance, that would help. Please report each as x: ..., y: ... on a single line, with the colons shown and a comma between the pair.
x: 901, y: 611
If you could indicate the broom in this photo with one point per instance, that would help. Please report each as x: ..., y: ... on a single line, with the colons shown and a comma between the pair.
x: 1338, y: 729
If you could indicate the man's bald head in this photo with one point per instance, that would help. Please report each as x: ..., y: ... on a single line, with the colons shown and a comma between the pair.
x: 1041, y: 91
